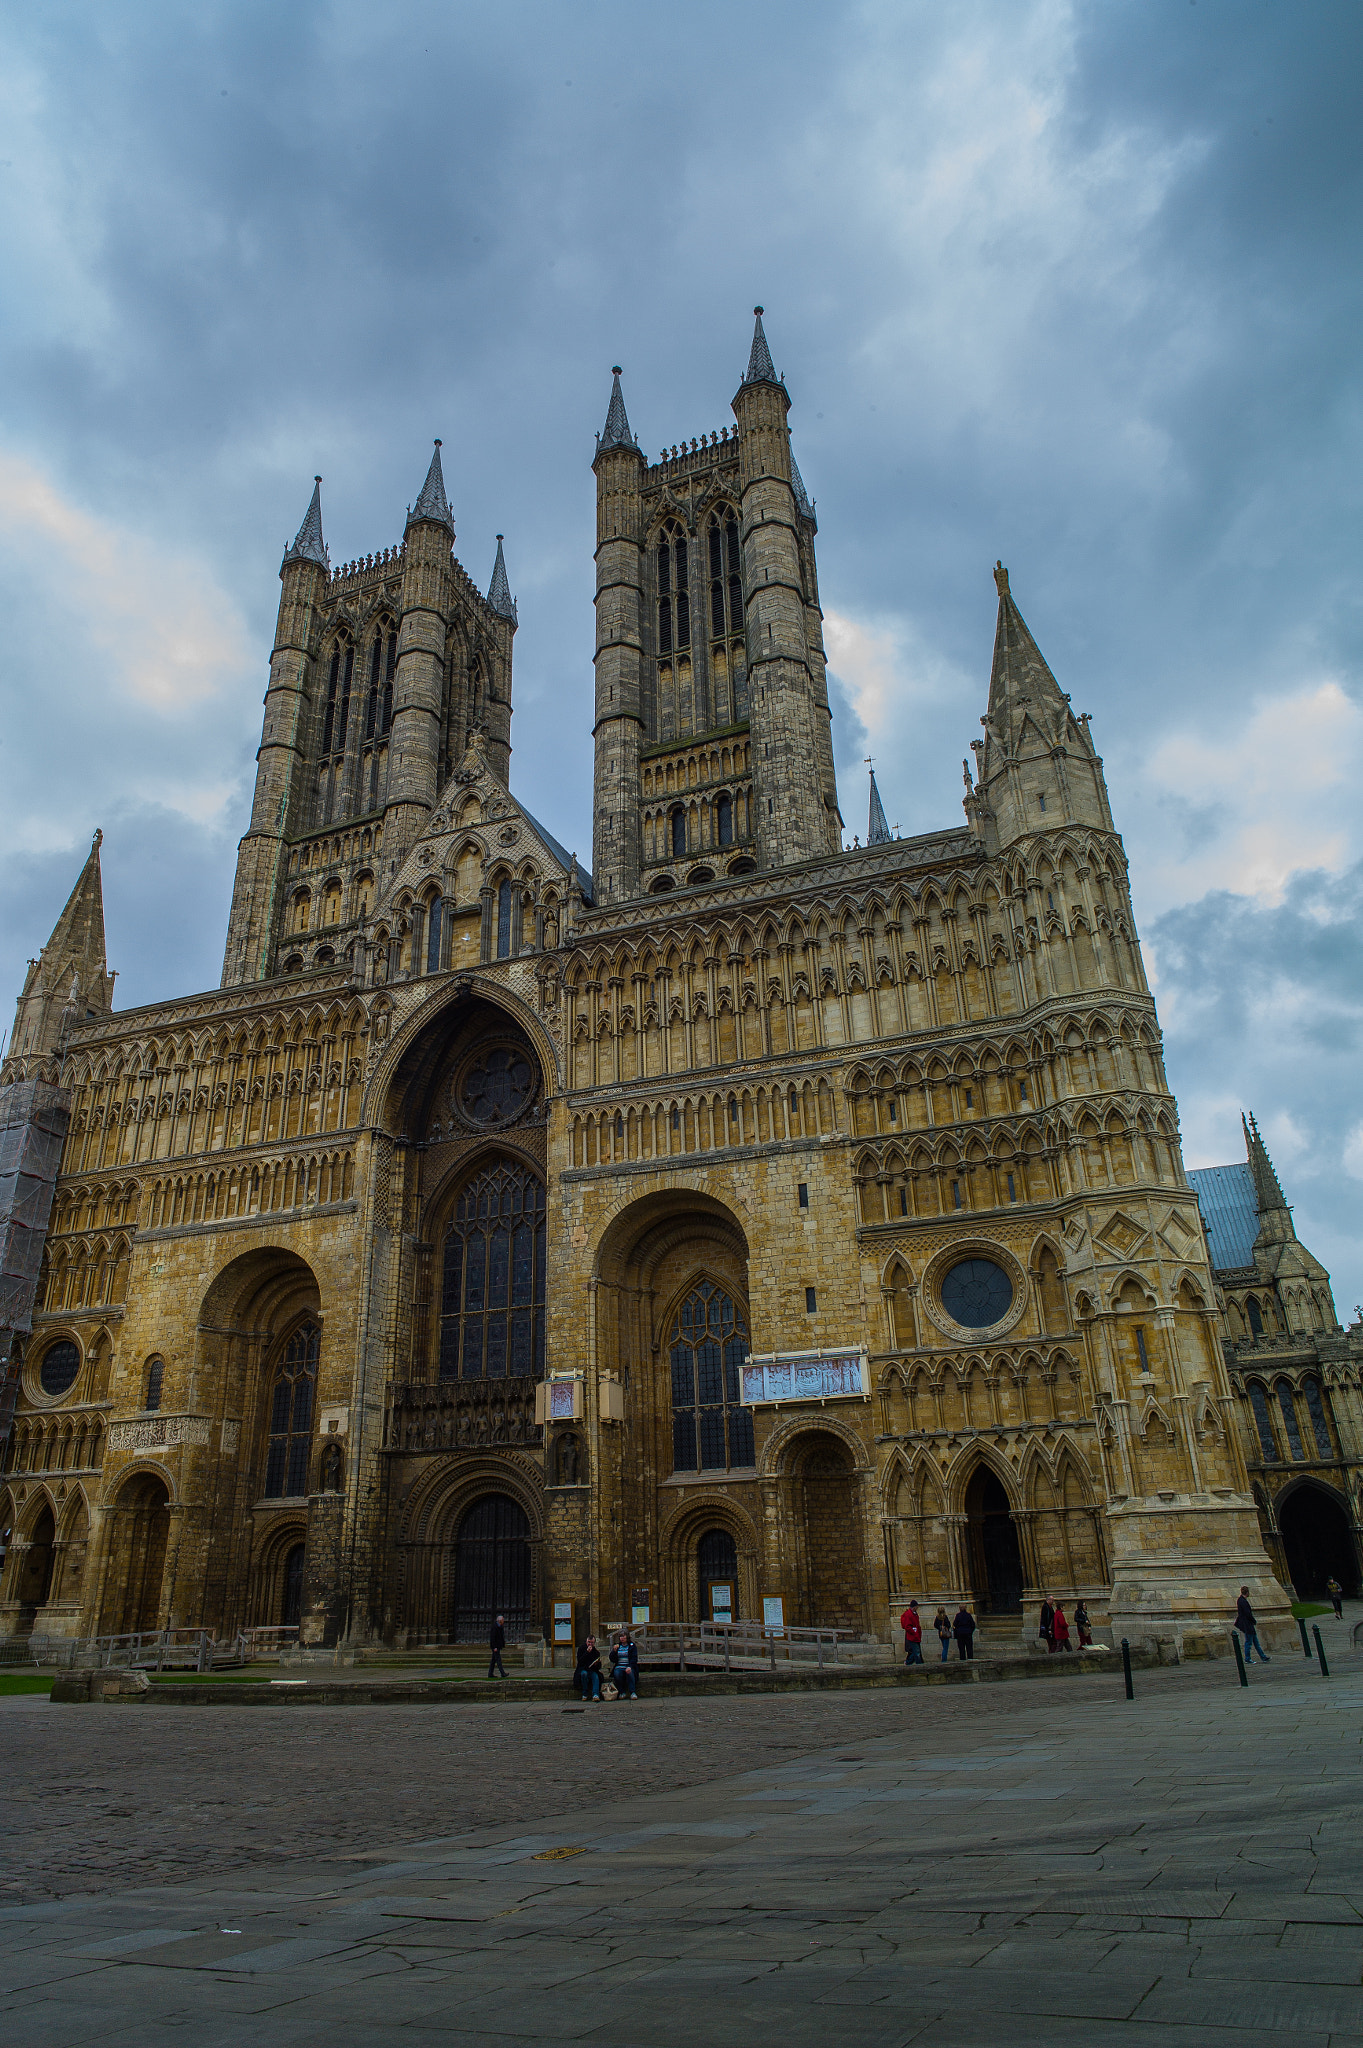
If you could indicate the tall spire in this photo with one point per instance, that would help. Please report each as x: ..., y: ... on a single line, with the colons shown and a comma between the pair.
x: 308, y: 544
x: 433, y: 504
x: 616, y: 433
x: 877, y: 831
x: 1268, y: 1193
x: 68, y: 981
x: 499, y: 590
x: 1020, y: 672
x: 761, y: 369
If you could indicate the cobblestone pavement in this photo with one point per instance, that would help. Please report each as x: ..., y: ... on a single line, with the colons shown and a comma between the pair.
x: 1039, y: 1863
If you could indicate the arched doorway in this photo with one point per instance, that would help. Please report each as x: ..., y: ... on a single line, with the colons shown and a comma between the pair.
x: 35, y: 1570
x: 717, y: 1570
x: 141, y: 1527
x: 291, y: 1606
x: 995, y: 1558
x: 1316, y: 1541
x: 830, y: 1526
x: 492, y: 1569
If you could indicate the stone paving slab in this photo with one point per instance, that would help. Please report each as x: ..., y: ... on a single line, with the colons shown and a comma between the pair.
x: 1183, y: 1869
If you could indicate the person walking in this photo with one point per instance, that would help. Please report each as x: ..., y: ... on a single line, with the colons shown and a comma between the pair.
x: 588, y: 1673
x: 625, y: 1666
x: 1046, y: 1629
x: 1336, y: 1592
x: 1245, y: 1622
x: 1084, y: 1625
x: 941, y: 1621
x: 913, y: 1634
x: 1060, y: 1630
x: 495, y: 1666
x: 963, y: 1628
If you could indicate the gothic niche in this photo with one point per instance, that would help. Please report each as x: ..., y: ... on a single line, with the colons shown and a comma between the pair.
x: 570, y: 1462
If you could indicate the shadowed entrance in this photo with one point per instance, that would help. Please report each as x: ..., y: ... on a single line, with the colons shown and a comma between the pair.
x: 492, y: 1570
x: 1316, y: 1539
x: 995, y: 1559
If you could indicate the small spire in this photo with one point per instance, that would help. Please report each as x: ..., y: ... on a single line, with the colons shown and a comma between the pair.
x: 1268, y: 1193
x: 433, y: 504
x: 1020, y: 669
x: 616, y: 433
x: 877, y: 831
x: 761, y: 369
x: 499, y: 590
x: 797, y: 484
x: 308, y: 544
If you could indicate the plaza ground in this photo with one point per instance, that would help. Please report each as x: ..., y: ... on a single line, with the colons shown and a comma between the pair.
x: 993, y: 1864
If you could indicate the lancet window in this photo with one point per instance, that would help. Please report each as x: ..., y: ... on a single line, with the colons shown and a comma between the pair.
x: 727, y: 661
x: 291, y: 1412
x: 492, y: 1278
x: 711, y: 1430
x: 1320, y: 1427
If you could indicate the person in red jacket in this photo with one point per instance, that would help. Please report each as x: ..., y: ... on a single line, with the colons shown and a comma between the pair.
x: 913, y: 1634
x: 1060, y: 1630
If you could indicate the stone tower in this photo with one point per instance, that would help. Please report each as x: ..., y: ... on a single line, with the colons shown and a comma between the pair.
x: 711, y: 694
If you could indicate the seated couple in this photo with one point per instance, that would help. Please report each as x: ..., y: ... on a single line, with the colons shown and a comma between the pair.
x: 624, y: 1667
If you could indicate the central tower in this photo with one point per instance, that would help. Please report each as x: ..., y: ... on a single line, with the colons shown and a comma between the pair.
x: 714, y: 755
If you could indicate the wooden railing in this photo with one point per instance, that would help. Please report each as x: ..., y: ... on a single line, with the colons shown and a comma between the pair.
x: 747, y: 1646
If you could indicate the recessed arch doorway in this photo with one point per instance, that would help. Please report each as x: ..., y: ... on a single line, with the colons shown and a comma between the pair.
x: 1316, y: 1540
x: 291, y: 1605
x: 717, y: 1570
x: 492, y: 1569
x: 995, y: 1554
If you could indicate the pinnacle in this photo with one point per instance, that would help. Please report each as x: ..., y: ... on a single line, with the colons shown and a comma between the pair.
x: 433, y: 504
x: 499, y: 590
x: 1268, y: 1191
x: 1020, y: 669
x: 761, y: 369
x: 308, y: 544
x: 877, y: 831
x: 802, y: 504
x: 77, y: 942
x: 616, y: 433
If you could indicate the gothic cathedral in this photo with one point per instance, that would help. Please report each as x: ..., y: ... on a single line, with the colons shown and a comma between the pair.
x: 748, y: 1227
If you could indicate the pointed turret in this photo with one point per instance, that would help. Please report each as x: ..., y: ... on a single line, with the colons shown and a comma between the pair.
x: 877, y: 831
x: 1038, y: 767
x: 802, y: 502
x: 1269, y: 1198
x: 433, y: 504
x: 1301, y: 1283
x: 308, y: 544
x: 761, y: 369
x: 499, y: 590
x: 68, y: 981
x: 616, y: 433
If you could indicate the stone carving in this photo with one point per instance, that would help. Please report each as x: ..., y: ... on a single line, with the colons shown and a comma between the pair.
x: 160, y: 1432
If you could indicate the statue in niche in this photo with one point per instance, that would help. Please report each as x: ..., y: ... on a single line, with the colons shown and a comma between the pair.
x: 498, y: 1424
x: 567, y: 1459
x: 331, y: 1469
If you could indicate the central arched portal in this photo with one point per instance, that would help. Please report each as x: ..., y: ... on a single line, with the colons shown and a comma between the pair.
x: 717, y: 1567
x: 1316, y: 1540
x: 491, y: 1570
x: 995, y: 1557
x: 833, y: 1557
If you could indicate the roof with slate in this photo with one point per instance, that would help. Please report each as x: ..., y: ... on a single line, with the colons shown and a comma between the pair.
x: 433, y: 504
x: 560, y: 852
x: 616, y: 433
x: 1225, y: 1196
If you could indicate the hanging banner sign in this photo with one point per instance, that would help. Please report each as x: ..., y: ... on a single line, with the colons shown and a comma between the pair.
x: 806, y: 1376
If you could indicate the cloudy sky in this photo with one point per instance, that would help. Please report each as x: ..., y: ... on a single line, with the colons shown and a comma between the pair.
x: 1076, y: 285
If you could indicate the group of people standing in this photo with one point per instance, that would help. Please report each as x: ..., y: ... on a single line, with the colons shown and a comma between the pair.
x: 960, y: 1629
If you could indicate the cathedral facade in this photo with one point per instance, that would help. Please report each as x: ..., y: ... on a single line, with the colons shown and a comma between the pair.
x: 745, y: 1227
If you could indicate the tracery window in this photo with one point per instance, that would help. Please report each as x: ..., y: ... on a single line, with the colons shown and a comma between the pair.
x: 434, y: 911
x: 1258, y: 1401
x: 338, y: 696
x: 291, y: 1406
x: 1256, y: 1320
x: 727, y: 660
x: 711, y: 1430
x: 1319, y: 1425
x: 492, y: 1281
x: 1289, y: 1409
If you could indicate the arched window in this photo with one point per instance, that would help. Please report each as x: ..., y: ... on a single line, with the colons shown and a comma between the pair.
x: 286, y: 1469
x: 664, y: 597
x: 389, y: 672
x: 59, y: 1367
x: 492, y: 1283
x: 433, y: 920
x: 683, y: 596
x: 332, y: 680
x: 724, y: 821
x: 504, y: 920
x: 1289, y: 1410
x: 679, y: 830
x: 1316, y: 1409
x: 156, y: 1368
x: 371, y: 709
x: 711, y: 1430
x: 1258, y: 1401
x: 1256, y: 1320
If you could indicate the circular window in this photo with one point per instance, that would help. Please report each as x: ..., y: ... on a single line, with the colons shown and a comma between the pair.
x: 497, y: 1086
x: 976, y: 1293
x: 60, y: 1364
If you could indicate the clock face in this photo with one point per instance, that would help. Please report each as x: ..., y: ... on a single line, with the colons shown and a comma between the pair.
x: 977, y: 1293
x: 496, y: 1087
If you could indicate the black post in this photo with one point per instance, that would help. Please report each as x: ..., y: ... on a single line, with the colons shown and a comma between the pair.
x: 1320, y: 1651
x: 1126, y: 1668
x: 1305, y: 1646
x: 1239, y: 1656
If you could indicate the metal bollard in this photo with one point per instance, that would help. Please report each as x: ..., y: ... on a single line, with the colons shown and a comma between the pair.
x: 1239, y: 1656
x: 1305, y: 1646
x: 1320, y: 1651
x: 1126, y: 1668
